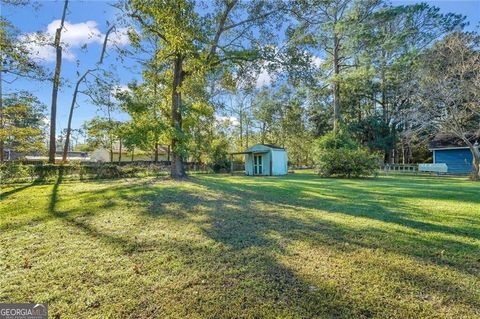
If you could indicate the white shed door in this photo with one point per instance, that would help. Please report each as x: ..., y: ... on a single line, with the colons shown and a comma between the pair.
x: 257, y: 164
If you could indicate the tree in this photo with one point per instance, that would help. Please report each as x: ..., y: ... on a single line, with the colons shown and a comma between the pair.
x: 22, y: 123
x: 56, y: 83
x: 76, y: 90
x: 15, y: 62
x: 390, y: 44
x: 148, y: 126
x: 266, y: 112
x: 193, y: 45
x: 103, y: 132
x: 449, y: 92
x: 241, y: 108
x: 330, y: 25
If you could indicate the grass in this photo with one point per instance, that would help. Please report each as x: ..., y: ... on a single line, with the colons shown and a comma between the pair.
x: 229, y: 247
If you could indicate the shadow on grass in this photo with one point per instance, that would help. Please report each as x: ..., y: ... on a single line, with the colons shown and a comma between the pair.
x: 79, y: 221
x: 249, y: 221
x: 6, y: 194
x: 253, y: 278
x: 243, y: 217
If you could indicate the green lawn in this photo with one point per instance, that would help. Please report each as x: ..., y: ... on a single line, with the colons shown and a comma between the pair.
x: 228, y: 247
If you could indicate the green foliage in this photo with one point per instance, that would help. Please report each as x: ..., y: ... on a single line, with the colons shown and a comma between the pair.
x: 14, y: 172
x: 218, y: 155
x: 16, y: 58
x: 191, y: 45
x: 147, y: 107
x: 339, y: 155
x: 332, y: 140
x: 347, y: 163
x: 21, y: 123
x: 281, y: 119
x: 104, y: 132
x: 374, y: 133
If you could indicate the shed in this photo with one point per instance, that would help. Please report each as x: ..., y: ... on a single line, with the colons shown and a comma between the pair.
x: 265, y: 159
x: 452, y: 151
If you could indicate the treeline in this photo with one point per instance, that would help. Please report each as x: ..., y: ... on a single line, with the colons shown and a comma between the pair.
x: 223, y: 76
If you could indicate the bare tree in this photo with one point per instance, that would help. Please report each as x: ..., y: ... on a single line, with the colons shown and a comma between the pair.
x: 56, y: 81
x: 75, y: 92
x: 449, y: 92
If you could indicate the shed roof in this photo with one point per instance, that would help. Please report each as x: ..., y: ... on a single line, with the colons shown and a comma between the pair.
x: 252, y: 149
x: 443, y: 140
x: 272, y: 146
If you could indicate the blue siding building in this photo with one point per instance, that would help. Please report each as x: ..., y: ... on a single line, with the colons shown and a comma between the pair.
x: 452, y: 151
x: 459, y: 161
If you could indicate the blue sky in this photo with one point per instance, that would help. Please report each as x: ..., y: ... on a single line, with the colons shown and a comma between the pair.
x: 93, y: 16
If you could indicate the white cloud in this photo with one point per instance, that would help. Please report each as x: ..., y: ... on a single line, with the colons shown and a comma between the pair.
x: 77, y: 34
x: 74, y: 36
x: 40, y: 48
x: 317, y: 61
x: 45, y: 120
x: 118, y: 89
x: 263, y: 78
x: 119, y: 37
x: 230, y: 119
x: 266, y: 75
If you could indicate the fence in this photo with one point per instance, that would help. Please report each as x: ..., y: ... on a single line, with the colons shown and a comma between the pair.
x: 400, y: 168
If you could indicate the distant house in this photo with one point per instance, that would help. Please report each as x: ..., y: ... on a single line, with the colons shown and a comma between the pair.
x: 74, y: 155
x: 265, y: 159
x: 100, y: 155
x: 10, y: 155
x: 452, y: 151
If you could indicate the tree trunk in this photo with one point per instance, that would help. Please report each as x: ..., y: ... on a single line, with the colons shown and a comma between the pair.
x: 336, y: 84
x: 384, y: 98
x: 246, y: 135
x: 56, y: 81
x: 120, y: 151
x: 177, y: 170
x: 241, y: 128
x: 75, y: 93
x: 168, y: 153
x: 2, y: 143
x: 133, y: 153
x: 111, y: 152
x: 156, y: 153
x: 70, y: 116
x: 263, y: 133
x: 476, y: 162
x: 53, y: 111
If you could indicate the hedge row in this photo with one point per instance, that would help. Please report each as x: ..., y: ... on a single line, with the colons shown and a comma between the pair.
x: 18, y: 172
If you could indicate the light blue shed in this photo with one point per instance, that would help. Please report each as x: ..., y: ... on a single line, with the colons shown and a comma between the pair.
x: 266, y: 159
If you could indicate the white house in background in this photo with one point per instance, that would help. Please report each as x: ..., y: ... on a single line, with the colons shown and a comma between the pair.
x: 100, y: 155
x: 265, y: 159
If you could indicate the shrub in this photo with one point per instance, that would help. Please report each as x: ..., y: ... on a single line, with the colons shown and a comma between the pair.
x: 347, y: 163
x: 15, y: 172
x: 341, y: 140
x: 339, y: 155
x: 133, y: 171
x: 218, y: 156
